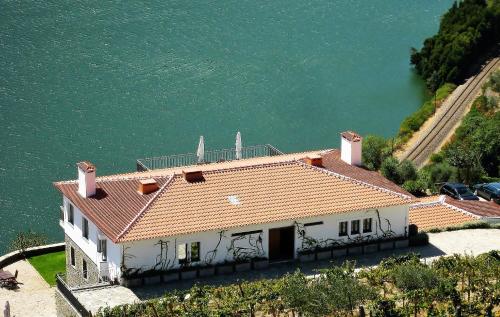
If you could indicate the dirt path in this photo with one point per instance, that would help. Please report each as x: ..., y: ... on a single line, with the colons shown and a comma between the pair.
x: 33, y: 298
x: 437, y: 130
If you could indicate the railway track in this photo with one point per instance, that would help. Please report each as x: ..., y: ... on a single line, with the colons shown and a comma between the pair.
x: 430, y: 140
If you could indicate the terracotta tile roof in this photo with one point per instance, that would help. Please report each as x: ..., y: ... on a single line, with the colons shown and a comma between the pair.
x: 437, y: 215
x: 267, y: 193
x: 332, y: 162
x: 115, y: 204
x: 268, y: 189
x: 480, y: 208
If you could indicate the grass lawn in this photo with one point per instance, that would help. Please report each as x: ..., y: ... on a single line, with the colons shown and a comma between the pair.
x: 49, y: 264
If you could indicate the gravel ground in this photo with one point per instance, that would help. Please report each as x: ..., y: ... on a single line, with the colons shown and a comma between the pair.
x: 33, y: 298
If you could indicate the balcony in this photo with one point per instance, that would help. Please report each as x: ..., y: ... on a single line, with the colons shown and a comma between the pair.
x: 147, y: 164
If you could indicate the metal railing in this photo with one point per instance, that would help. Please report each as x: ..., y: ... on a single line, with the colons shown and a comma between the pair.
x: 177, y: 160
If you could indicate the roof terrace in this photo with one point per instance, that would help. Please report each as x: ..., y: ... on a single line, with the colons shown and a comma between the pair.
x: 211, y: 156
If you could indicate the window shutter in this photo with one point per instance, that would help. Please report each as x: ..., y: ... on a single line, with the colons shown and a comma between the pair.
x: 182, y: 251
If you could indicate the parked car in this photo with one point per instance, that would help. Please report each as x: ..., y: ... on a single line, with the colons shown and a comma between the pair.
x: 489, y: 191
x: 458, y: 191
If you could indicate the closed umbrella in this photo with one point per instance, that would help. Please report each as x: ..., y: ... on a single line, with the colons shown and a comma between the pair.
x: 201, y: 150
x: 238, y: 146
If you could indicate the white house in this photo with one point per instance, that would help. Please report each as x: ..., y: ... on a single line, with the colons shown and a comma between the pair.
x: 271, y: 208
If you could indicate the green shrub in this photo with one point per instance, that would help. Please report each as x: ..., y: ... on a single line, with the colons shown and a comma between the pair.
x: 375, y: 150
x: 414, y: 121
x: 390, y: 169
x: 407, y: 171
x: 28, y: 239
x: 416, y: 187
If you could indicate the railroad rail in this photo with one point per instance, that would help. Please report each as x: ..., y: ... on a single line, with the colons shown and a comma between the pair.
x: 433, y: 137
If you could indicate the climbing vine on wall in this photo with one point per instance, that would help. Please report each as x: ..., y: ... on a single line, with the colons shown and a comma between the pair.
x: 309, y: 243
x: 211, y: 255
x: 240, y: 251
x: 162, y: 261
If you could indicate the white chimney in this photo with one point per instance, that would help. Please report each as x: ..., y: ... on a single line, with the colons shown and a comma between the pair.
x: 86, y: 179
x: 350, y: 151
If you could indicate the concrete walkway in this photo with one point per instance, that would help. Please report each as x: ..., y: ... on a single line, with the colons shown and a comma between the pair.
x: 33, y: 298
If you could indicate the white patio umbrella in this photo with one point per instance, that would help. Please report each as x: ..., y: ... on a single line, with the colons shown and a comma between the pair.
x: 238, y: 146
x: 201, y: 150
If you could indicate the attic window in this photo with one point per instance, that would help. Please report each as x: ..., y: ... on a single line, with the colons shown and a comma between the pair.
x: 234, y: 200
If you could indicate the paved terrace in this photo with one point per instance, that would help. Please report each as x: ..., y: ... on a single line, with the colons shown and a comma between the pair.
x: 474, y: 242
x: 33, y: 298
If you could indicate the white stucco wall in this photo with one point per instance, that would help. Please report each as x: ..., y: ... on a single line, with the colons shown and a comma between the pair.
x: 146, y: 254
x: 89, y: 246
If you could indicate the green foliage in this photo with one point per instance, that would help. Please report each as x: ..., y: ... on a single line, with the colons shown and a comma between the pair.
x: 494, y: 82
x: 28, y: 239
x: 398, y: 286
x: 399, y: 172
x: 469, y: 28
x: 414, y: 121
x: 473, y: 155
x: 416, y: 187
x: 374, y: 152
x: 390, y: 169
x: 49, y: 264
x: 467, y: 225
x: 407, y: 171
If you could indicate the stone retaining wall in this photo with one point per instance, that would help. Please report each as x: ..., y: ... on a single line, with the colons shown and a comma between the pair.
x: 15, y: 256
x: 74, y: 274
x: 63, y: 307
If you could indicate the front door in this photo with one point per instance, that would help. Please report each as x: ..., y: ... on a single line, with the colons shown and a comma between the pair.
x: 281, y: 243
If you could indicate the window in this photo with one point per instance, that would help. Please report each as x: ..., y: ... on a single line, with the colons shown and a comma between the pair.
x: 85, y: 228
x: 84, y: 269
x: 343, y: 228
x: 195, y: 251
x: 71, y: 214
x: 102, y: 248
x: 367, y: 225
x: 182, y: 253
x: 72, y: 255
x: 355, y: 227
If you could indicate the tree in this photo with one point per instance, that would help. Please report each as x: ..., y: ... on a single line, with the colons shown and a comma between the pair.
x: 417, y: 282
x: 390, y: 169
x: 28, y: 239
x: 343, y: 290
x: 294, y: 292
x: 407, y: 171
x: 374, y: 151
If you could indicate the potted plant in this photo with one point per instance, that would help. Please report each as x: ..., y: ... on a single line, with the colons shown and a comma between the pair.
x: 206, y: 270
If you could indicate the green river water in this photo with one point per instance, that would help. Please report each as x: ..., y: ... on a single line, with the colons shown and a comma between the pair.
x: 114, y: 81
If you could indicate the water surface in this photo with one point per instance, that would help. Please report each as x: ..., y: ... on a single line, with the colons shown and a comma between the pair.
x: 113, y: 81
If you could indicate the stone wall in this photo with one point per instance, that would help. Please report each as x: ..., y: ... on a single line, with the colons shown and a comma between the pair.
x: 63, y: 307
x: 74, y: 274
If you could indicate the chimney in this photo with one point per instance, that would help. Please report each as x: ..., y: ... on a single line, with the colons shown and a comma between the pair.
x: 86, y: 179
x: 314, y: 160
x: 350, y: 151
x: 147, y: 186
x: 193, y: 175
